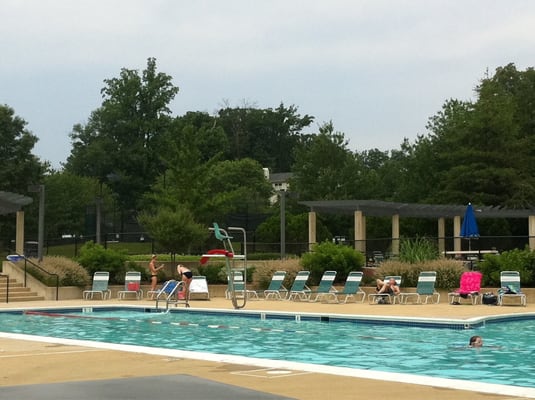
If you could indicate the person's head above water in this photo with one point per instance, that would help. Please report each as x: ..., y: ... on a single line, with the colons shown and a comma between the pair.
x: 476, y: 341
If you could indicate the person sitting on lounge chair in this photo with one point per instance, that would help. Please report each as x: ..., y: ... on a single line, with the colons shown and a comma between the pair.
x: 391, y: 287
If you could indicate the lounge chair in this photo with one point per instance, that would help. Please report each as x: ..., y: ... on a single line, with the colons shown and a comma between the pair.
x: 199, y: 287
x: 100, y: 286
x: 469, y: 288
x: 352, y: 287
x: 326, y: 288
x: 239, y: 287
x: 386, y: 298
x: 276, y: 287
x: 299, y: 289
x: 510, y: 288
x: 132, y: 285
x: 424, y: 289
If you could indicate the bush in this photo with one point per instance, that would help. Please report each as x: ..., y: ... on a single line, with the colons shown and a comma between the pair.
x: 217, y: 273
x: 327, y: 256
x: 94, y: 257
x: 264, y: 272
x: 522, y: 261
x: 448, y: 272
x: 69, y: 272
x: 417, y: 250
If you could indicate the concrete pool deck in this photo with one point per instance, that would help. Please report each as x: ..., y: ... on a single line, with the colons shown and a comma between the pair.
x: 30, y: 362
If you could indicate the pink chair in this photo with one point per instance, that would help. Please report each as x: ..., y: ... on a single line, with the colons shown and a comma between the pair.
x: 469, y: 288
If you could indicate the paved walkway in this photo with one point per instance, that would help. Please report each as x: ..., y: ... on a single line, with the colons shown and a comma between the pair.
x: 28, y: 363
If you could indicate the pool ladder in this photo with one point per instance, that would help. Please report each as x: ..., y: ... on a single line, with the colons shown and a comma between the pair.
x: 170, y: 294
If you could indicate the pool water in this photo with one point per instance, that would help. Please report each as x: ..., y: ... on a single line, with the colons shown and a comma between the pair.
x: 506, y: 357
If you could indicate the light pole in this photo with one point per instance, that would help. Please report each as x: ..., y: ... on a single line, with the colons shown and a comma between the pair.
x: 282, y: 195
x: 41, y: 228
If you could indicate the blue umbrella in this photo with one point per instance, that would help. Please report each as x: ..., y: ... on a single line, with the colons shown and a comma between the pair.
x: 469, y: 228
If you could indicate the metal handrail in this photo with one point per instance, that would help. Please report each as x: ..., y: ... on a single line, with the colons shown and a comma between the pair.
x: 26, y: 261
x: 7, y: 287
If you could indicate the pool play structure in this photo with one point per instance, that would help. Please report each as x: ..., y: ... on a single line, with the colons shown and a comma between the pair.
x: 435, y: 349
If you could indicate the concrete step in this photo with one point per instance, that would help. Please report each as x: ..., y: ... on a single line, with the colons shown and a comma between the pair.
x: 17, y: 292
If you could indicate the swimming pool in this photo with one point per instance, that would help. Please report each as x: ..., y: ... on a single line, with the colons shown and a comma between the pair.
x: 434, y: 348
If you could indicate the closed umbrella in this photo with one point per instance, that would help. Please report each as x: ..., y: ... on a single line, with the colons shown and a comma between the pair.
x: 469, y: 229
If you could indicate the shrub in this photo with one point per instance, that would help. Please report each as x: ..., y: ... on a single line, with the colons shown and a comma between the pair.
x: 417, y: 250
x: 448, y: 272
x: 264, y: 272
x: 69, y: 272
x: 327, y: 256
x: 94, y: 257
x: 216, y: 273
x: 522, y: 261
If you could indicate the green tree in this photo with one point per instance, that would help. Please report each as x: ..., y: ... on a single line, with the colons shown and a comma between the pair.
x: 20, y: 168
x: 67, y: 200
x: 174, y: 230
x: 269, y: 136
x: 325, y: 169
x: 121, y: 142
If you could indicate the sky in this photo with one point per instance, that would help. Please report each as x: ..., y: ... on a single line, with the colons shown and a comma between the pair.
x: 378, y: 69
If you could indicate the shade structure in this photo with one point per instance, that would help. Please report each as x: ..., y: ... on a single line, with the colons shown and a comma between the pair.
x: 469, y: 229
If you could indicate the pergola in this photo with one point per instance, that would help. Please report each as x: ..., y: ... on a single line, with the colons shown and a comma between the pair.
x: 13, y: 203
x: 377, y: 208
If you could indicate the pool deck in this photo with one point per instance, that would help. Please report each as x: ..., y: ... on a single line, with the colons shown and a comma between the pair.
x: 30, y: 362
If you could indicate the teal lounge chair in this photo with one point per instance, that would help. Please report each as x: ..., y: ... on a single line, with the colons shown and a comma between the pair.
x: 100, y: 286
x: 352, y: 287
x: 239, y: 287
x: 425, y: 289
x: 276, y: 288
x: 510, y: 288
x: 299, y: 289
x: 132, y: 285
x: 377, y: 298
x: 326, y: 288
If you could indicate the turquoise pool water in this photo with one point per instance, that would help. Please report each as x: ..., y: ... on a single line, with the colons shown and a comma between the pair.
x: 439, y: 352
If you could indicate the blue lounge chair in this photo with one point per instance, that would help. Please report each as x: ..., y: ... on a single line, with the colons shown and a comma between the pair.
x: 386, y: 297
x: 352, y: 287
x: 510, y: 288
x: 132, y: 285
x: 239, y: 287
x: 326, y: 288
x: 299, y: 289
x: 276, y: 287
x: 425, y: 288
x: 100, y: 286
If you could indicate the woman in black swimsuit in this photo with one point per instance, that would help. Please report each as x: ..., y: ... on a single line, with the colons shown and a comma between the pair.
x: 154, y: 273
x: 186, y: 276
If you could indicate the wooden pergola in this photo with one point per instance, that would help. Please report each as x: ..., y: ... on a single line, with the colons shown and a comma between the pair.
x: 378, y: 208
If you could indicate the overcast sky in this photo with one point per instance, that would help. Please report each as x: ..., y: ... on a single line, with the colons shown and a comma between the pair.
x: 377, y: 68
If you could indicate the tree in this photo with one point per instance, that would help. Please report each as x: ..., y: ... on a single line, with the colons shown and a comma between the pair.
x: 174, y: 230
x: 121, y: 142
x: 269, y: 136
x: 20, y: 167
x: 67, y: 199
x: 324, y: 168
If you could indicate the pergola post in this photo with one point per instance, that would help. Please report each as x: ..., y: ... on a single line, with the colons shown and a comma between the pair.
x: 19, y: 235
x: 531, y: 230
x: 457, y: 233
x: 311, y: 229
x: 360, y: 232
x: 441, y: 236
x: 395, y: 234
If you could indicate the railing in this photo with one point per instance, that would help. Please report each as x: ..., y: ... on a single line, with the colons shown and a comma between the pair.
x: 7, y: 286
x: 37, y: 266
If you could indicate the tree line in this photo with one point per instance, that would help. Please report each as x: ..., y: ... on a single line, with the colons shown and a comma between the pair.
x: 174, y: 175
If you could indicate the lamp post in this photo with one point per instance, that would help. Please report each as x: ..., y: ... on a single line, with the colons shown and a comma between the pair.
x: 41, y: 228
x: 282, y: 194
